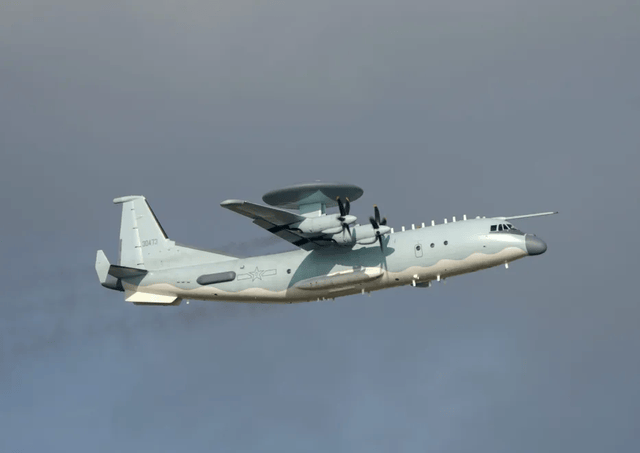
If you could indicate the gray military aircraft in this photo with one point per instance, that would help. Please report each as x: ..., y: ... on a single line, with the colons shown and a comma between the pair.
x: 336, y: 257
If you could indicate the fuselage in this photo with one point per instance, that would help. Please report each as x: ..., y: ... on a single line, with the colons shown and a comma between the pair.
x: 412, y: 257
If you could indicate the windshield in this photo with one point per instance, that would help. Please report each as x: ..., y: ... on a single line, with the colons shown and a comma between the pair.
x: 503, y: 227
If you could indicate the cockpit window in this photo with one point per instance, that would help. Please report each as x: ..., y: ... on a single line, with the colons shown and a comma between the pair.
x: 506, y: 227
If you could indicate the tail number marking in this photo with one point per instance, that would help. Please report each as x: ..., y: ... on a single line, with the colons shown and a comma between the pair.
x: 148, y: 242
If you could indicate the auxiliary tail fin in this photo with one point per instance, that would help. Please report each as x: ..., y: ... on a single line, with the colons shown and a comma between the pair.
x: 144, y: 243
x: 102, y: 269
x: 110, y: 275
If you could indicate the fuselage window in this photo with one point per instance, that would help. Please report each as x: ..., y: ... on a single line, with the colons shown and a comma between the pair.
x: 494, y: 227
x: 499, y: 227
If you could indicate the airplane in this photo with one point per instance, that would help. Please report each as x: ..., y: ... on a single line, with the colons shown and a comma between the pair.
x: 336, y: 256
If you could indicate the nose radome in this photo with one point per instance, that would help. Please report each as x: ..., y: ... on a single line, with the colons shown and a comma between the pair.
x: 535, y: 245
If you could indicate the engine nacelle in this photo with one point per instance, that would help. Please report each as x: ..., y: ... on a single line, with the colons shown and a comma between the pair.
x: 361, y: 234
x: 327, y: 224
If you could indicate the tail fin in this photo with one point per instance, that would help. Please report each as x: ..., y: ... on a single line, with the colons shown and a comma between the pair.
x: 144, y: 243
x: 138, y: 228
x: 106, y: 278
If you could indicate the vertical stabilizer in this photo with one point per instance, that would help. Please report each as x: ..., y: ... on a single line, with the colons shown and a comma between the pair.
x: 145, y: 245
x: 139, y: 229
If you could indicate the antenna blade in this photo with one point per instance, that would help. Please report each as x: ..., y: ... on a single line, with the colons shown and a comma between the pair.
x: 540, y: 214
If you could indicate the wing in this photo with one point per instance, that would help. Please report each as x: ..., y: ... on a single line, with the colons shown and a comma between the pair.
x: 274, y: 216
x: 276, y: 221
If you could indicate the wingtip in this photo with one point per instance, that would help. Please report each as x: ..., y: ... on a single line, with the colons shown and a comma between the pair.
x: 226, y: 203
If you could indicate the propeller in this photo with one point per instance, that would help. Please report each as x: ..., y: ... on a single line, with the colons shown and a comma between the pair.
x: 344, y: 212
x: 375, y: 223
x: 377, y: 214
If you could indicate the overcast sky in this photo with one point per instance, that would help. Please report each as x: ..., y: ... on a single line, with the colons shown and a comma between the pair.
x: 435, y: 108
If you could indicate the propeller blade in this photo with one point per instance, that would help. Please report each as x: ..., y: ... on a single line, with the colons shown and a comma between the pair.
x: 375, y: 222
x: 348, y: 206
x: 346, y: 226
x: 341, y: 207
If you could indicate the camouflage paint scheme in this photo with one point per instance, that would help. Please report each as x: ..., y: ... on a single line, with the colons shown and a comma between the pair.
x: 153, y: 270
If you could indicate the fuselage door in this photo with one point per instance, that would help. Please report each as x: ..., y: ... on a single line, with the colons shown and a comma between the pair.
x: 418, y: 250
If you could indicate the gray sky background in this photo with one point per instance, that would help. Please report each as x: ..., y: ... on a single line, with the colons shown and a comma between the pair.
x: 436, y: 108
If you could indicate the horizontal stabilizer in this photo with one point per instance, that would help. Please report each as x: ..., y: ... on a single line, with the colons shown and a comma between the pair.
x: 148, y: 298
x: 125, y: 272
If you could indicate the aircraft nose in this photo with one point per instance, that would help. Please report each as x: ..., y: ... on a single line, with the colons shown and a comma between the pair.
x: 535, y: 245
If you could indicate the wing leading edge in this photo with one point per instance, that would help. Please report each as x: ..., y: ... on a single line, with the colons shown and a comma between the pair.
x: 276, y: 221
